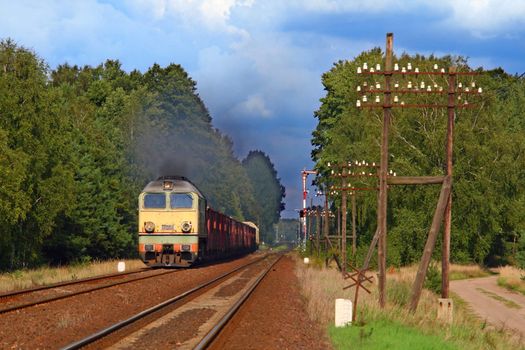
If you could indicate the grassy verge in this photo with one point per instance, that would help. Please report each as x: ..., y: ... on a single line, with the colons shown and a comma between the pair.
x: 386, y: 334
x: 322, y: 286
x: 21, y: 279
x: 512, y: 278
x: 461, y: 272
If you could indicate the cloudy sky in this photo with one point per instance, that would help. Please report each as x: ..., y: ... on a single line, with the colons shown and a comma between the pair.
x: 258, y: 63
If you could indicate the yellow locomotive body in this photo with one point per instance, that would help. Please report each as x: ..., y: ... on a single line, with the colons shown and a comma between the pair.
x: 171, y: 220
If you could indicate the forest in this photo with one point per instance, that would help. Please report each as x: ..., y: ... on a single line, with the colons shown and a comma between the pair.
x: 488, y: 225
x: 78, y: 144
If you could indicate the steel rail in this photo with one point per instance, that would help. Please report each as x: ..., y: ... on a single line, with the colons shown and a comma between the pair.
x: 68, y: 283
x: 212, y: 334
x: 64, y: 296
x: 106, y: 331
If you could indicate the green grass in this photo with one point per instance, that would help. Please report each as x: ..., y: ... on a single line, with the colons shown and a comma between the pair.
x: 512, y: 284
x: 505, y: 301
x: 462, y: 275
x: 385, y: 334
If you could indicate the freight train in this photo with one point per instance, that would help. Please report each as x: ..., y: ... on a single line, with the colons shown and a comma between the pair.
x: 178, y: 229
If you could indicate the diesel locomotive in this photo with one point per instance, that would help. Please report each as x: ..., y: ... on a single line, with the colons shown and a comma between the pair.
x: 178, y: 229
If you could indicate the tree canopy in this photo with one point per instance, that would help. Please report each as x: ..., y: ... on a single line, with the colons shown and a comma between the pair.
x: 268, y: 190
x: 77, y: 145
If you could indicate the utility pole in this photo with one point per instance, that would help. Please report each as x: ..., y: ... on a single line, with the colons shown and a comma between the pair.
x: 354, y: 237
x: 343, y: 231
x: 442, y: 213
x: 451, y: 111
x: 383, y: 173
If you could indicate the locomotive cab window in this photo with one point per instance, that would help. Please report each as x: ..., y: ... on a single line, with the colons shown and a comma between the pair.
x: 181, y: 200
x: 154, y: 201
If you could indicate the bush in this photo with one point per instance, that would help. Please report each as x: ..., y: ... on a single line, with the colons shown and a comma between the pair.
x: 433, y: 279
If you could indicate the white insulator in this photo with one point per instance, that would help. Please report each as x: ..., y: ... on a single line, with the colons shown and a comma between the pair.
x: 378, y: 86
x: 378, y: 67
x: 422, y: 84
x: 467, y: 89
x: 396, y: 99
x: 359, y: 71
x: 365, y: 99
x: 365, y: 66
x: 460, y: 85
x: 416, y: 70
x: 480, y: 90
x: 378, y: 99
x: 402, y: 103
x: 435, y: 66
x: 409, y: 85
x: 403, y: 70
x: 409, y: 66
x: 473, y: 84
x: 358, y: 103
x: 372, y: 70
x: 396, y: 67
x: 442, y: 70
x: 429, y: 88
x: 396, y: 84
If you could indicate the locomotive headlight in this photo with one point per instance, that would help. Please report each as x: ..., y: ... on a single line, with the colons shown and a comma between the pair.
x: 149, y: 226
x: 186, y: 226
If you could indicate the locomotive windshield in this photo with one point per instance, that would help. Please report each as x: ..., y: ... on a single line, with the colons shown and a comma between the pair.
x: 154, y: 201
x: 181, y: 200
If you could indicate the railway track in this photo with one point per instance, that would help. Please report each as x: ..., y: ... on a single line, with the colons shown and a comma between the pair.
x: 204, y: 310
x: 21, y: 299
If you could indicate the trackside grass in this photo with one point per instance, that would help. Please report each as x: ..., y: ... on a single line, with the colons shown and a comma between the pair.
x: 386, y: 334
x: 394, y: 324
x: 512, y: 278
x: 21, y: 279
x: 461, y: 272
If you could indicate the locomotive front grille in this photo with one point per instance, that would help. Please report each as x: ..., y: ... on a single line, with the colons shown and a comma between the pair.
x: 167, y: 248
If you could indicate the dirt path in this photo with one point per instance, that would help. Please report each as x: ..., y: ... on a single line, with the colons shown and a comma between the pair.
x: 491, y: 302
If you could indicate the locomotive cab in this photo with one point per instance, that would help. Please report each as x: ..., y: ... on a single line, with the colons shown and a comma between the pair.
x: 171, y: 219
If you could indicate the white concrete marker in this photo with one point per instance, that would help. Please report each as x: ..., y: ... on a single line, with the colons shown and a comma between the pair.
x: 306, y: 260
x: 343, y: 312
x: 121, y: 266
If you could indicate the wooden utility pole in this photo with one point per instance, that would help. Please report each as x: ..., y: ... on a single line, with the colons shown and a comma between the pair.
x: 451, y: 110
x: 354, y: 237
x: 444, y: 207
x: 317, y: 229
x: 383, y: 172
x: 326, y: 214
x: 343, y: 231
x: 431, y: 241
